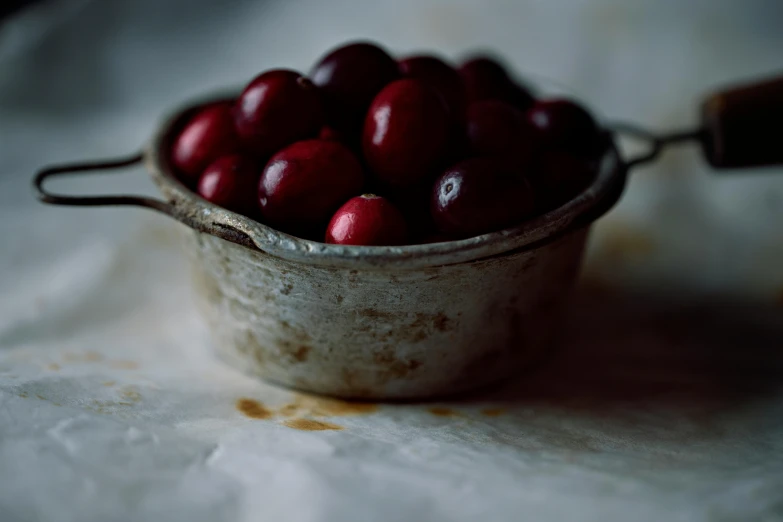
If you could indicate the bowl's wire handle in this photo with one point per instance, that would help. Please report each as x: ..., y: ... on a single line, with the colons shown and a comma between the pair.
x: 740, y: 128
x: 655, y: 143
x: 164, y: 207
x: 94, y: 167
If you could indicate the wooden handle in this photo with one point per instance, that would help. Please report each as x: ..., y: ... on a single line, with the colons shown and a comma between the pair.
x: 743, y: 126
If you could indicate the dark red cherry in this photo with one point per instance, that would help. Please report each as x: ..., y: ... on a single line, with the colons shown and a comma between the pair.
x: 486, y: 79
x: 276, y: 109
x: 495, y: 128
x: 349, y: 78
x: 406, y: 133
x: 560, y: 177
x: 232, y: 182
x: 367, y: 220
x: 329, y: 133
x: 520, y: 97
x: 564, y: 125
x: 303, y: 184
x: 207, y: 136
x: 440, y: 76
x: 414, y: 203
x: 480, y: 195
x: 353, y: 142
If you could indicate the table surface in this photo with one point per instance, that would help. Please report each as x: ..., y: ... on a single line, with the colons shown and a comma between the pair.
x: 662, y: 402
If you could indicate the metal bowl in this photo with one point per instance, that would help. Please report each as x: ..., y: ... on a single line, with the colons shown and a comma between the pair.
x: 373, y: 322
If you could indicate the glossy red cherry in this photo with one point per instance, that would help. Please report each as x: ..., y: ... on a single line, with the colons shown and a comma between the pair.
x: 560, y: 177
x: 566, y: 126
x: 367, y: 220
x: 349, y: 78
x: 303, y: 184
x: 231, y: 182
x: 349, y: 140
x: 439, y: 76
x: 480, y: 195
x: 208, y: 135
x: 495, y: 128
x: 276, y: 109
x: 486, y: 79
x: 406, y: 133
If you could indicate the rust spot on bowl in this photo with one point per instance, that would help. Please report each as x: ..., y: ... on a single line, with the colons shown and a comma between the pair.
x: 441, y: 322
x: 396, y: 367
x: 53, y: 367
x: 311, y: 425
x: 253, y: 409
x: 301, y: 353
x: 293, y: 351
x: 247, y: 344
x: 286, y: 290
x: 352, y: 380
x: 371, y: 313
x: 391, y: 327
x: 418, y: 336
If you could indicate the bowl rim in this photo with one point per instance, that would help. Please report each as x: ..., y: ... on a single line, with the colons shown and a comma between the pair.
x: 579, y: 212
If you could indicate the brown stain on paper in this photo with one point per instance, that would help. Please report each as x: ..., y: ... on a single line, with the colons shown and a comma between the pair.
x: 253, y: 409
x: 440, y: 411
x: 86, y: 357
x: 311, y: 425
x: 131, y: 394
x: 301, y: 413
x: 92, y: 357
x: 124, y: 365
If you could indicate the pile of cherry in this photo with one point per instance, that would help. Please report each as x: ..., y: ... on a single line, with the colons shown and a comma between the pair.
x: 375, y: 151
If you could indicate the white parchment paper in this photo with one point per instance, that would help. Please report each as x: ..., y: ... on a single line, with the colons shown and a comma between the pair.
x: 663, y: 401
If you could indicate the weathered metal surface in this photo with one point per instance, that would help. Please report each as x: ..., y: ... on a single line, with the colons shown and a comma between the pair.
x: 382, y: 333
x: 382, y: 322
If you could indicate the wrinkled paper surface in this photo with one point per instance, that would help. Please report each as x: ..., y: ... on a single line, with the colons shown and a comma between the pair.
x: 663, y: 401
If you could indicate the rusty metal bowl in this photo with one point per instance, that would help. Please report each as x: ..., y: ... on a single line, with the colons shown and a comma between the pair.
x: 373, y: 322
